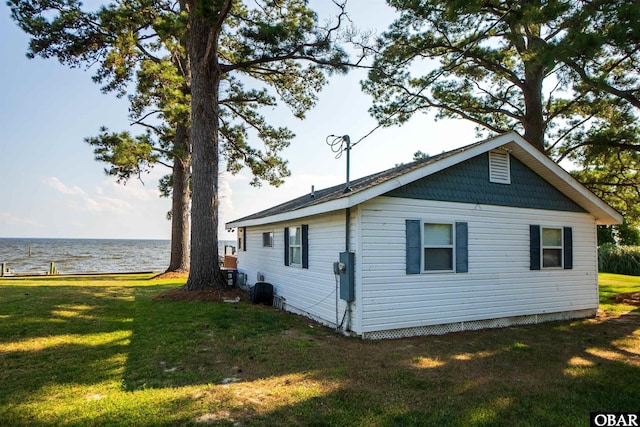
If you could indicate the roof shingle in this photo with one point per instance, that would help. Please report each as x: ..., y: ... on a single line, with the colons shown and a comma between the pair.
x: 357, y: 185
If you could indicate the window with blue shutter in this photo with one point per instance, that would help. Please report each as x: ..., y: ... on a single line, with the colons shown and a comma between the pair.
x: 550, y: 247
x: 436, y: 247
x: 296, y: 246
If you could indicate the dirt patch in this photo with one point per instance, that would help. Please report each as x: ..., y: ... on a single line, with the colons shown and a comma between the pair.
x: 173, y: 275
x: 631, y: 298
x: 209, y: 294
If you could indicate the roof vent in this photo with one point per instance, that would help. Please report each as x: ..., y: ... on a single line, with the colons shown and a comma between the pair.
x: 313, y: 191
x: 499, y: 167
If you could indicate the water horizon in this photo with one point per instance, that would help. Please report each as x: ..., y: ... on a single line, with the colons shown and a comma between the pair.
x: 34, y: 255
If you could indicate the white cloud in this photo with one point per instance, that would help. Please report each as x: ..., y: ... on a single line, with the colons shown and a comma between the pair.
x: 94, y: 205
x: 134, y: 189
x: 58, y: 185
x: 109, y: 197
x: 11, y: 219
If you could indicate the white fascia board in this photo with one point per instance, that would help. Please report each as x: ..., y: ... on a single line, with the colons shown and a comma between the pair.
x: 333, y: 205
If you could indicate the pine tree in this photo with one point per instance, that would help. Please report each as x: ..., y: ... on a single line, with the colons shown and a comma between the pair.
x: 277, y: 44
x: 563, y: 73
x: 139, y: 45
x: 237, y: 58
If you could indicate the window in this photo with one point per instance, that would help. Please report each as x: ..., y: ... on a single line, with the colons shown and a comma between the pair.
x: 438, y: 247
x: 551, y: 247
x: 267, y: 239
x: 295, y: 245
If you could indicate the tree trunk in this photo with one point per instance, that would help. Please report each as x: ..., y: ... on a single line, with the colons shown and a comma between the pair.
x: 535, y: 63
x: 533, y: 121
x: 205, y: 81
x: 180, y: 202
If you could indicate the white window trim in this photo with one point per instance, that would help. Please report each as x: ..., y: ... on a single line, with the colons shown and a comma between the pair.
x: 452, y: 246
x: 543, y: 247
x: 291, y: 262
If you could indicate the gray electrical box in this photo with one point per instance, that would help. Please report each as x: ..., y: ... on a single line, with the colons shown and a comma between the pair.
x: 347, y: 282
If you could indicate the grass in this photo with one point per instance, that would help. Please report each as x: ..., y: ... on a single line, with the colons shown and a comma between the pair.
x: 103, y: 351
x: 614, y: 284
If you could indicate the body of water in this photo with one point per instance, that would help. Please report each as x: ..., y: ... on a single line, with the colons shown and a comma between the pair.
x: 84, y: 255
x: 33, y: 256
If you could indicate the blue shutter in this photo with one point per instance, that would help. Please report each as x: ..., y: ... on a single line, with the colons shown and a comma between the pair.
x: 244, y: 238
x: 414, y: 246
x: 568, y: 248
x: 286, y: 246
x: 534, y: 247
x: 462, y: 247
x: 305, y: 246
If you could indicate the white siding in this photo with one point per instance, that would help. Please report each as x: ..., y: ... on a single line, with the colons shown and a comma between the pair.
x: 311, y: 291
x: 499, y: 282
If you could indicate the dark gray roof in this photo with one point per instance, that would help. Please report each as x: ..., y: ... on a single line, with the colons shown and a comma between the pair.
x: 357, y: 185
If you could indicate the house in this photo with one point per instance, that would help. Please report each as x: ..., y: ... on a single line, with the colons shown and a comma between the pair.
x: 488, y: 235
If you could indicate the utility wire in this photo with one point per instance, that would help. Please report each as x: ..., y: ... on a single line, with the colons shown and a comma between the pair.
x: 424, y: 86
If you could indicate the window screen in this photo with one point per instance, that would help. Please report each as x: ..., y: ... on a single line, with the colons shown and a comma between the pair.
x: 551, y: 247
x: 295, y: 245
x: 438, y: 247
x: 267, y: 239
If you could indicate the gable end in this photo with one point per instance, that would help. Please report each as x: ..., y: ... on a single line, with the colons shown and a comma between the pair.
x: 468, y: 182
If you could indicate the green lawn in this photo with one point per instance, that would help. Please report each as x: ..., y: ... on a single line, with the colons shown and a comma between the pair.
x: 102, y: 351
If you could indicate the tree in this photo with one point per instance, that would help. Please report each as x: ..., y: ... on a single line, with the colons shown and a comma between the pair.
x: 563, y: 73
x: 141, y: 42
x: 608, y: 161
x: 489, y: 61
x: 608, y: 34
x: 276, y: 44
x: 229, y: 47
x: 420, y: 155
x: 609, y: 73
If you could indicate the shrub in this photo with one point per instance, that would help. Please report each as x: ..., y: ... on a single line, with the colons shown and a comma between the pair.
x: 619, y: 259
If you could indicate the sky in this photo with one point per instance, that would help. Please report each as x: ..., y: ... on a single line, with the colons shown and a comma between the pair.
x: 52, y: 187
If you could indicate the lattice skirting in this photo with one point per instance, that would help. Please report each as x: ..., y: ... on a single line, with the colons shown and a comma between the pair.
x: 478, y: 324
x: 279, y: 302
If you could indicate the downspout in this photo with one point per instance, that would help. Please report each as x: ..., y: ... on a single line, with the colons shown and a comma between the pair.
x: 347, y: 229
x: 347, y: 189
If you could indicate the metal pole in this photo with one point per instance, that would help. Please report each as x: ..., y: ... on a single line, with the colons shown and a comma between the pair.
x: 348, y: 141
